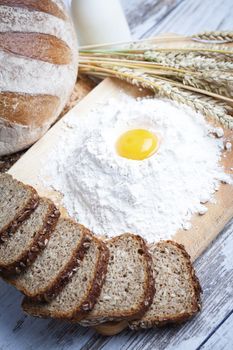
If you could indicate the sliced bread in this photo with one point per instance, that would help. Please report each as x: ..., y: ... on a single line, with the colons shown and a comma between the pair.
x: 129, y: 286
x: 177, y: 296
x: 80, y: 294
x: 21, y: 249
x: 51, y: 270
x: 17, y: 201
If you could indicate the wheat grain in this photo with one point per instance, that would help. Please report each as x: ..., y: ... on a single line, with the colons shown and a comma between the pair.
x: 191, y: 60
x: 224, y: 36
x: 216, y: 76
x: 217, y: 88
x: 206, y: 105
x: 199, y: 75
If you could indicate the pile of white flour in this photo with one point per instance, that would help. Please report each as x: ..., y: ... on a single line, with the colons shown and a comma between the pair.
x: 153, y: 197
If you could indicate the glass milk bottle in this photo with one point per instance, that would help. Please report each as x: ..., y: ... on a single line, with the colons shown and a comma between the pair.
x: 99, y: 21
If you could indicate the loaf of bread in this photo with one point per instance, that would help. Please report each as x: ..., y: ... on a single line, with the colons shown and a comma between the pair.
x: 38, y: 64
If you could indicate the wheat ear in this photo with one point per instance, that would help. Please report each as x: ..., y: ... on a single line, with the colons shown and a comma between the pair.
x: 224, y: 36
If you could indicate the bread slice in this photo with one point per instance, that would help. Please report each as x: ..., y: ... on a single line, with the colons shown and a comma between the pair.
x: 51, y: 270
x: 17, y: 201
x: 177, y: 295
x: 129, y: 286
x: 81, y: 292
x: 21, y: 249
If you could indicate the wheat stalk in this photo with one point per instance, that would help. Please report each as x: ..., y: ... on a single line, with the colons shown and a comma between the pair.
x: 193, y: 61
x: 208, y: 106
x: 160, y: 72
x: 199, y: 75
x: 225, y: 36
x: 205, y: 105
x: 217, y: 88
x: 197, y: 48
x: 209, y: 78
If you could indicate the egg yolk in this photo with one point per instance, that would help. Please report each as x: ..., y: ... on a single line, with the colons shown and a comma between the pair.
x: 137, y: 144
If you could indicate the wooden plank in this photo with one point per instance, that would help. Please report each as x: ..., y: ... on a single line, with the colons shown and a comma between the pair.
x: 222, y: 337
x: 142, y: 15
x: 190, y: 17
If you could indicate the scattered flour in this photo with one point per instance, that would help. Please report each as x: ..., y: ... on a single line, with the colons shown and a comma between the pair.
x: 154, y: 197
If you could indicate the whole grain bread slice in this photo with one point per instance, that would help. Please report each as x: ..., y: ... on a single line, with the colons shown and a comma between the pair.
x: 17, y: 201
x: 30, y: 238
x: 177, y: 296
x: 81, y: 292
x: 129, y: 286
x: 52, y: 269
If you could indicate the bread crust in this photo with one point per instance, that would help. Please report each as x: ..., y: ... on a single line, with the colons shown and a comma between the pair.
x: 100, y: 275
x: 91, y: 298
x: 39, y: 242
x: 37, y: 35
x: 22, y: 134
x: 181, y: 317
x: 31, y: 205
x: 46, y: 6
x: 27, y: 109
x: 149, y: 291
x: 37, y: 46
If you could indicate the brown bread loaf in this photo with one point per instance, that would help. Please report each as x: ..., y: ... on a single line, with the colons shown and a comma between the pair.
x: 38, y: 63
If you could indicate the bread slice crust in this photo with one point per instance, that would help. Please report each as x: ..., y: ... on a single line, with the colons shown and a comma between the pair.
x: 176, y: 317
x: 95, y: 290
x: 149, y: 290
x: 51, y: 290
x: 89, y: 300
x: 22, y: 214
x: 28, y: 256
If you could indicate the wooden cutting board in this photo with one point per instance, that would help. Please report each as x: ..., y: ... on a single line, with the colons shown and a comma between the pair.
x: 204, y: 228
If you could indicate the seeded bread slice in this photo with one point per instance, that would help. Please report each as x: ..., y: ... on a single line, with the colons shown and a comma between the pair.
x: 81, y: 292
x: 129, y: 286
x: 51, y: 270
x: 22, y: 248
x: 177, y: 296
x: 17, y: 201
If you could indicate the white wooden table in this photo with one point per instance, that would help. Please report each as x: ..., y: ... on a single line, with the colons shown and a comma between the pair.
x: 213, y: 327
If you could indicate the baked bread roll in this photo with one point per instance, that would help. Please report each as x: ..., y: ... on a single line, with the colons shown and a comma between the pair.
x: 38, y: 69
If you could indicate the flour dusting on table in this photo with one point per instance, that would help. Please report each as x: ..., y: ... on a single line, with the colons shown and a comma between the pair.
x: 153, y: 197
